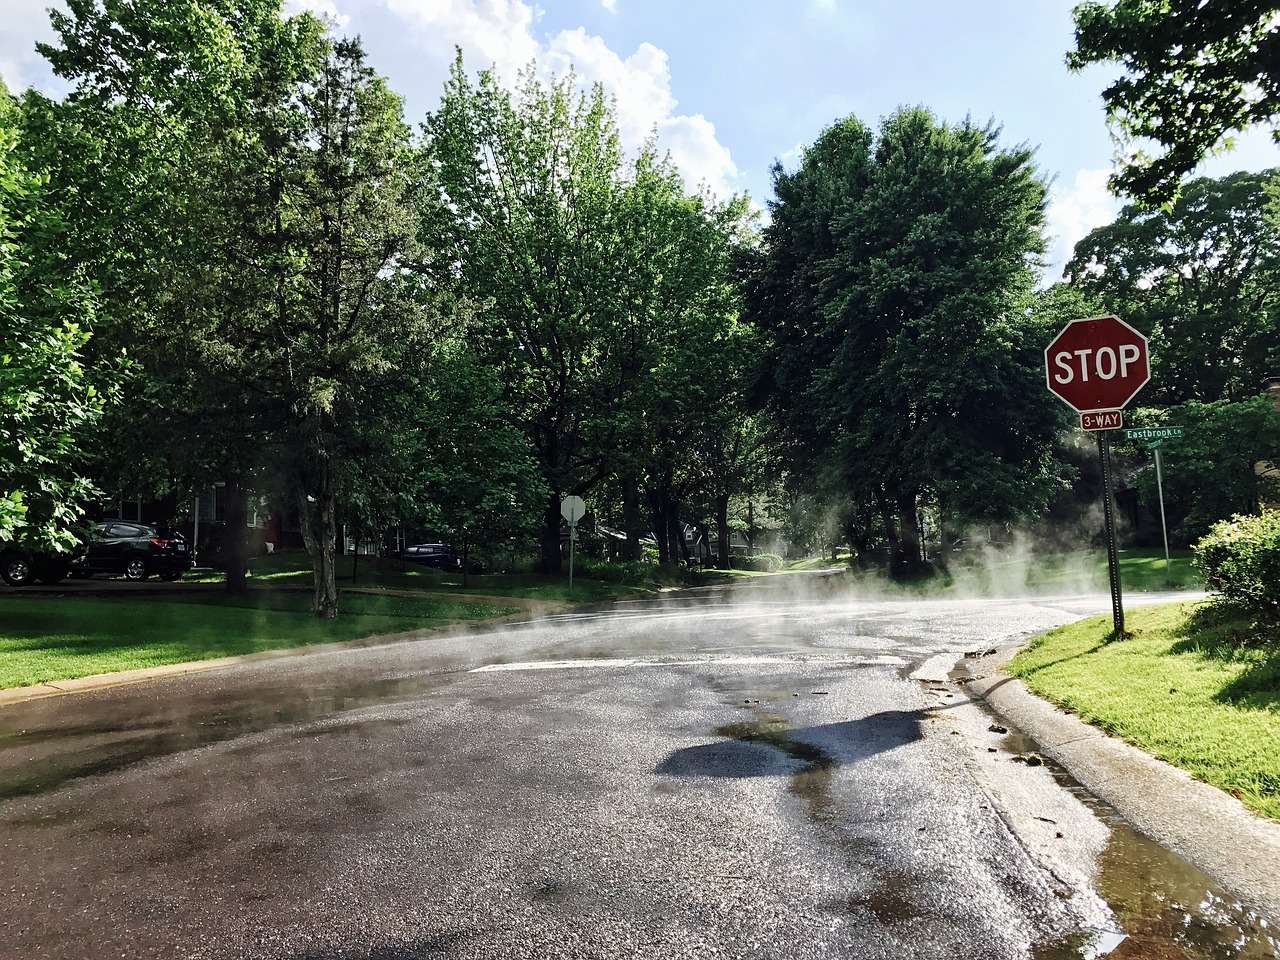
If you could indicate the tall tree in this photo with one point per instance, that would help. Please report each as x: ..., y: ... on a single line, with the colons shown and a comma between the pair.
x: 533, y: 178
x: 50, y: 400
x: 911, y: 353
x: 293, y: 192
x: 1196, y: 72
x: 1200, y: 279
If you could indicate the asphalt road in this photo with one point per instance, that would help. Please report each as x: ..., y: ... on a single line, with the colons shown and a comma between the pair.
x: 785, y: 773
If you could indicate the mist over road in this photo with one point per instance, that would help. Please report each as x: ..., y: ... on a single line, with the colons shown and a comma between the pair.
x: 776, y: 772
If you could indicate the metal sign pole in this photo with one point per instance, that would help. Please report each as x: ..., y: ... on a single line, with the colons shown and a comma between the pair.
x: 1108, y: 513
x: 573, y: 535
x: 1164, y: 527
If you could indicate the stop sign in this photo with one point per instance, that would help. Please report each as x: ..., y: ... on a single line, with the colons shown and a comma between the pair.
x: 1097, y: 364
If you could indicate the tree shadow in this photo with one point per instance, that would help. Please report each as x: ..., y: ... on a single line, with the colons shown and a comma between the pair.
x: 1216, y: 632
x: 738, y: 755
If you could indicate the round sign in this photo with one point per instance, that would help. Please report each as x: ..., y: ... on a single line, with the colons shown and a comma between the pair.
x: 1097, y: 364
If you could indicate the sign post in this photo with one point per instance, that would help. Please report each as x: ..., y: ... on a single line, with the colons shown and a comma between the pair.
x: 572, y: 509
x: 1095, y: 367
x: 1157, y: 436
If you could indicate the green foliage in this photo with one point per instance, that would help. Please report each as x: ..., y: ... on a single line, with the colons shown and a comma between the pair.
x: 1196, y: 73
x: 1240, y: 559
x: 892, y: 288
x: 50, y: 399
x: 1212, y: 472
x: 610, y: 306
x: 762, y: 562
x: 1199, y: 278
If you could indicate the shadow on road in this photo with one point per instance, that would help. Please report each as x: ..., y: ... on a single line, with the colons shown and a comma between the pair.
x: 820, y: 747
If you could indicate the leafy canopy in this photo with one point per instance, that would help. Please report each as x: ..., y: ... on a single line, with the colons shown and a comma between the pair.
x: 1196, y: 72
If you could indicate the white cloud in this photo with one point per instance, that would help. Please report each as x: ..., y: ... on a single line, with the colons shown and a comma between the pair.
x: 24, y: 24
x: 610, y: 5
x: 501, y: 33
x: 491, y: 33
x: 1085, y: 206
x: 324, y: 9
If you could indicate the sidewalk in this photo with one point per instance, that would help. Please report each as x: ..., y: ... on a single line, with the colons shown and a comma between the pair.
x: 1200, y: 823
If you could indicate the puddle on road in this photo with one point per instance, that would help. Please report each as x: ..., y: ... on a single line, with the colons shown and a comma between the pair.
x: 1164, y: 908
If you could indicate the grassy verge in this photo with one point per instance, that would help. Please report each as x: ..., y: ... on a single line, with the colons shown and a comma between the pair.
x: 1006, y: 573
x: 1182, y: 688
x: 49, y: 638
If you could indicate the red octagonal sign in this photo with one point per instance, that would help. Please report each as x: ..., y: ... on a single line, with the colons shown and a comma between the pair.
x: 1097, y: 364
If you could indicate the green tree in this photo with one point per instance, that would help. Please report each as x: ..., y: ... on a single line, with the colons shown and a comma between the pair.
x: 1196, y: 73
x: 910, y: 346
x: 479, y: 473
x: 533, y: 178
x: 50, y: 399
x: 1224, y: 465
x: 1199, y: 278
x: 293, y: 194
x: 164, y: 155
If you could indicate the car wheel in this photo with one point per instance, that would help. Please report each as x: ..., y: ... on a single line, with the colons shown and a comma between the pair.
x: 16, y: 571
x: 170, y: 575
x: 135, y: 568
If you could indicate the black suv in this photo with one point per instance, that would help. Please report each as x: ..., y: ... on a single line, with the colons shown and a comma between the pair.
x: 20, y: 566
x: 134, y: 550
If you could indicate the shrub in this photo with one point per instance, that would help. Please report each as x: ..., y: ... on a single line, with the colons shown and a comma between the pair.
x: 1240, y: 559
x: 765, y: 562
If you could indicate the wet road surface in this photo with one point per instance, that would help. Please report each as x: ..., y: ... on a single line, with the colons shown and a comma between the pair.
x: 771, y: 774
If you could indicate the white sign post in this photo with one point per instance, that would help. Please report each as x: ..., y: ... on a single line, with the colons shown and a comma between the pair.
x: 572, y: 509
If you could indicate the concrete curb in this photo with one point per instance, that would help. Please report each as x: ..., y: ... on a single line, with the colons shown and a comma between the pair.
x: 1200, y: 823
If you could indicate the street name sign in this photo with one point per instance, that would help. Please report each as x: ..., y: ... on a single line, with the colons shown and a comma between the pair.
x: 1097, y: 364
x: 1153, y: 433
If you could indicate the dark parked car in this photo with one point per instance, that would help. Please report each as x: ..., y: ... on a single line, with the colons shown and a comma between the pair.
x: 20, y: 566
x: 134, y: 550
x: 431, y: 555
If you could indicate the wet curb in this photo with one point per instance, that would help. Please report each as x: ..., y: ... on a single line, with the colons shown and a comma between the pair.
x: 1200, y: 823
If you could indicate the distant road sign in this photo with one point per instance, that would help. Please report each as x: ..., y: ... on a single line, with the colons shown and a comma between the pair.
x: 1097, y: 364
x: 1153, y: 433
x: 572, y: 509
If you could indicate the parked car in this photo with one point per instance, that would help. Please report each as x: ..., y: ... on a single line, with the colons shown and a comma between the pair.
x: 20, y: 566
x: 435, y: 555
x: 133, y: 550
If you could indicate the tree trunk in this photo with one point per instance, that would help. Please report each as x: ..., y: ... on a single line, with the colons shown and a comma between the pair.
x: 235, y: 546
x: 466, y: 563
x: 632, y: 518
x: 909, y: 533
x: 550, y: 559
x: 679, y: 550
x: 661, y: 532
x: 320, y: 533
x: 722, y: 530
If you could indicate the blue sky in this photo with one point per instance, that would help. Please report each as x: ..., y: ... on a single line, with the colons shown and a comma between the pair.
x: 733, y: 85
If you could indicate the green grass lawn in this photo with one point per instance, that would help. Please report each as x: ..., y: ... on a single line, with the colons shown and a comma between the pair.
x: 44, y: 638
x: 1009, y: 573
x: 1183, y: 688
x: 47, y: 638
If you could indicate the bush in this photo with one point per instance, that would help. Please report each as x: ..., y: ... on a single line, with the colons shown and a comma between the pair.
x: 1240, y: 559
x: 764, y: 562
